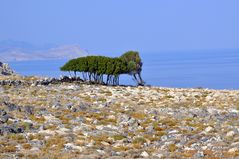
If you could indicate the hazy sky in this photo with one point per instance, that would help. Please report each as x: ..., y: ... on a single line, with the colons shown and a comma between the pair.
x: 116, y: 26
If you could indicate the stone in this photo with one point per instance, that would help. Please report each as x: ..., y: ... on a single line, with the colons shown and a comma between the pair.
x: 199, y: 154
x: 234, y: 149
x: 173, y: 132
x: 159, y: 156
x: 101, y: 151
x: 209, y: 129
x: 4, y: 119
x: 5, y: 69
x: 164, y: 137
x: 12, y: 107
x: 230, y: 134
x: 36, y: 149
x: 63, y: 131
x: 112, y: 117
x: 29, y: 110
x: 144, y: 154
x: 11, y: 129
x: 2, y: 112
x: 71, y: 146
x: 3, y: 116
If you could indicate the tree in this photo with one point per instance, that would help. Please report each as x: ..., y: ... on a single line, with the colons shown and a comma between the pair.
x: 134, y: 65
x: 70, y: 66
x: 94, y: 68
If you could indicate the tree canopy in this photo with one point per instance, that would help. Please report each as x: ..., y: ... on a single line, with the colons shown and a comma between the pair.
x: 93, y: 68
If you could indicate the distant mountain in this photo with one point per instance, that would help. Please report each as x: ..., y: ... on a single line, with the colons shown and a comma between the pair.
x: 22, y: 51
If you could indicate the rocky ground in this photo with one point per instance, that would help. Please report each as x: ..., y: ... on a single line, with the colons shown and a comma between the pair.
x: 5, y: 69
x: 72, y: 120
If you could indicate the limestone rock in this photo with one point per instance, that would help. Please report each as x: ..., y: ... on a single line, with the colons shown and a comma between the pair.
x: 5, y: 69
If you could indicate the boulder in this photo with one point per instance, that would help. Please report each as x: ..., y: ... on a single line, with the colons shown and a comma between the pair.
x: 5, y: 69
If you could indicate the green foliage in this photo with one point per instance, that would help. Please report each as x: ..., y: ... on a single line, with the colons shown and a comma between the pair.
x: 70, y: 66
x: 97, y: 66
x: 131, y: 66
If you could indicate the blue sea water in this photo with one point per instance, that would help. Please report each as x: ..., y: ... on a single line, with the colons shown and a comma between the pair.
x: 217, y: 70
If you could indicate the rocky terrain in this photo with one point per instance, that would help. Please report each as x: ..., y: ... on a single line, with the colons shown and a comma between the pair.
x: 5, y: 69
x: 77, y: 120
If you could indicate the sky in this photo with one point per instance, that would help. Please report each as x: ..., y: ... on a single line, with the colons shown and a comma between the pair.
x: 109, y: 26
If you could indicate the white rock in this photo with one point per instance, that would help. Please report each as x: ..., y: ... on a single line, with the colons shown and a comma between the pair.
x: 234, y: 111
x: 173, y: 132
x: 101, y: 151
x: 209, y: 129
x: 235, y: 144
x: 232, y: 150
x: 99, y: 127
x: 34, y: 149
x: 112, y: 117
x: 158, y: 155
x: 230, y: 134
x: 47, y: 132
x: 144, y: 154
x: 208, y: 98
x: 169, y: 143
x: 63, y: 131
x: 212, y: 110
x: 77, y: 128
x: 105, y: 143
x: 188, y: 148
x: 72, y: 87
x: 92, y: 143
x: 49, y: 117
x: 199, y: 154
x: 71, y: 146
x: 112, y: 127
x: 27, y: 121
x: 204, y: 147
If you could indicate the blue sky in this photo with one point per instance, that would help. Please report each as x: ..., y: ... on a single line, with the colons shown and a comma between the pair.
x: 109, y: 26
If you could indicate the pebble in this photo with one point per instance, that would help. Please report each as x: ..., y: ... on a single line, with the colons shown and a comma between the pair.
x: 71, y: 146
x: 234, y: 149
x: 209, y: 129
x: 230, y: 134
x: 199, y: 154
x: 144, y: 154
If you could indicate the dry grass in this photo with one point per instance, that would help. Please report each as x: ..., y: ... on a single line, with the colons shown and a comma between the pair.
x: 36, y: 136
x: 119, y: 137
x: 54, y: 143
x: 172, y: 147
x: 8, y: 148
x: 139, y: 140
x: 121, y: 148
x: 139, y: 115
x: 37, y: 119
x: 27, y: 146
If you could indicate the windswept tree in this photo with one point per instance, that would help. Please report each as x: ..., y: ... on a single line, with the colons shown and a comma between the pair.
x: 93, y: 68
x: 134, y: 65
x: 70, y: 66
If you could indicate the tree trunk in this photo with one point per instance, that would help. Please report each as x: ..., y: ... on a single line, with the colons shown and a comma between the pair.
x: 141, y: 80
x: 70, y: 73
x: 107, y: 80
x: 136, y: 79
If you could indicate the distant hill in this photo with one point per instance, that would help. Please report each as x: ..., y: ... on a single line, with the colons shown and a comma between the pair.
x: 22, y: 51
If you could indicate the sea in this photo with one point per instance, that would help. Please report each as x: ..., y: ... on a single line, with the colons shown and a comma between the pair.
x: 198, y: 69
